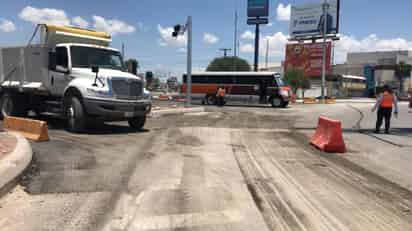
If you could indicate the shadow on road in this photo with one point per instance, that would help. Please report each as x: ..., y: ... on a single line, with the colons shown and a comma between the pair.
x: 95, y: 127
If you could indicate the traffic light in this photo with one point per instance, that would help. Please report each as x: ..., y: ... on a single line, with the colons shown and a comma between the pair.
x: 178, y: 30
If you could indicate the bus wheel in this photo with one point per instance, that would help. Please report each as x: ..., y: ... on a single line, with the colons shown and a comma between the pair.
x: 211, y: 100
x: 277, y: 102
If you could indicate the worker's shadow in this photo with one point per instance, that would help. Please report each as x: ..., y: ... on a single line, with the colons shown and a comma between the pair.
x: 405, y: 132
x: 402, y: 131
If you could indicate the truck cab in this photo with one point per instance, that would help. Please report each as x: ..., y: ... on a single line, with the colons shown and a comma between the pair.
x: 82, y: 79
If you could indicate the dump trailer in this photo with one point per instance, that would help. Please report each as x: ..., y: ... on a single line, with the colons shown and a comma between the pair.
x: 71, y: 73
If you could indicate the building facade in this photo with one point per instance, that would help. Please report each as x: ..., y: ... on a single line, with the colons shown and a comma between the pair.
x: 379, y: 68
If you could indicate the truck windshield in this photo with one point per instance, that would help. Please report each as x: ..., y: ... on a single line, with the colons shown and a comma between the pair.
x: 85, y: 57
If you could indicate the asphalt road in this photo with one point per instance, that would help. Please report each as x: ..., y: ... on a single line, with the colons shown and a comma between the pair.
x: 231, y: 168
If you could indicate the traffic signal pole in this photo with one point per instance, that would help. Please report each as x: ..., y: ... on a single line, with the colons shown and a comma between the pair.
x: 189, y: 62
x: 178, y: 31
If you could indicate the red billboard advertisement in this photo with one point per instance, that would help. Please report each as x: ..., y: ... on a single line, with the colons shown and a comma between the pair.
x: 308, y: 57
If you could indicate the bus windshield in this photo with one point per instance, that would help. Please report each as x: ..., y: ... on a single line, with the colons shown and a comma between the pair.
x: 279, y: 81
x: 85, y: 57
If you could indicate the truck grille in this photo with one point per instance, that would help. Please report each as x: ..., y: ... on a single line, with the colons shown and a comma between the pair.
x: 127, y: 88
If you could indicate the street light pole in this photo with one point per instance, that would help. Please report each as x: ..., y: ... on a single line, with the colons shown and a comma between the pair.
x: 189, y: 62
x: 325, y: 24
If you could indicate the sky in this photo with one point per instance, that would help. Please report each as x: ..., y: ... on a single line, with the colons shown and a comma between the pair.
x: 145, y: 26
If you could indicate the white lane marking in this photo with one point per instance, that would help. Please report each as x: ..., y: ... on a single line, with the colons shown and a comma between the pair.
x: 186, y: 220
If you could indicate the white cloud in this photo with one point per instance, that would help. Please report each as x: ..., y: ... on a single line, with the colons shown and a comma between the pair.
x: 44, y: 15
x: 247, y: 48
x: 277, y: 43
x: 370, y: 43
x: 269, y: 24
x: 7, y: 25
x: 181, y: 50
x: 346, y: 44
x: 210, y: 38
x: 283, y: 12
x: 112, y: 26
x: 166, y: 38
x: 80, y: 22
x: 248, y: 35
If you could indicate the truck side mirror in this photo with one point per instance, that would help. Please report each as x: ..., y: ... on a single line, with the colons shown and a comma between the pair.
x: 95, y: 69
x: 52, y: 61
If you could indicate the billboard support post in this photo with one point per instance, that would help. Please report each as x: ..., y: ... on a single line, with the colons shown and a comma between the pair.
x: 257, y: 13
x: 257, y: 38
x: 325, y: 23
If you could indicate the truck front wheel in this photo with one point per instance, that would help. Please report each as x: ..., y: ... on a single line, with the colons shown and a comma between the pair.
x: 76, y: 117
x: 137, y: 123
x: 276, y: 101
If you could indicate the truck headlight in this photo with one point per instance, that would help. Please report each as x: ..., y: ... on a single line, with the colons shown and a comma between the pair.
x: 284, y: 93
x: 99, y: 93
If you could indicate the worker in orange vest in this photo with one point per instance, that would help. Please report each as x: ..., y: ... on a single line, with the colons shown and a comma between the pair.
x: 220, y: 96
x: 385, y: 104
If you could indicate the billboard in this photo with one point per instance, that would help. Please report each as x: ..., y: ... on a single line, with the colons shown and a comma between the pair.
x: 308, y: 57
x: 257, y: 8
x: 308, y: 20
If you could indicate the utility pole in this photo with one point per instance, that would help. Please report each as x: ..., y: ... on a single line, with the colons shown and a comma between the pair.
x: 123, y: 50
x: 257, y: 38
x: 225, y: 50
x: 325, y: 24
x: 267, y: 54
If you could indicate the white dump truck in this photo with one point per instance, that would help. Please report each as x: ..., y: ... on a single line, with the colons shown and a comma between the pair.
x: 74, y: 74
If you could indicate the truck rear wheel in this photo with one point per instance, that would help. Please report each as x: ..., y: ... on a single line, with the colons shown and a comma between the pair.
x: 10, y: 105
x: 137, y: 123
x: 76, y: 117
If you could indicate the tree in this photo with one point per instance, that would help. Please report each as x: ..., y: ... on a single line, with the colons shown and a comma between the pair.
x: 402, y: 70
x: 156, y: 83
x: 297, y: 80
x: 132, y: 65
x: 228, y: 64
x: 305, y: 85
x: 149, y: 79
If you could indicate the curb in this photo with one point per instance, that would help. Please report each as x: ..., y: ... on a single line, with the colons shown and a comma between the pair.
x: 13, y: 164
x: 176, y: 111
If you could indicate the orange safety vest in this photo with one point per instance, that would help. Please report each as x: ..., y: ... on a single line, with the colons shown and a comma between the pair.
x: 387, y: 100
x: 221, y: 92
